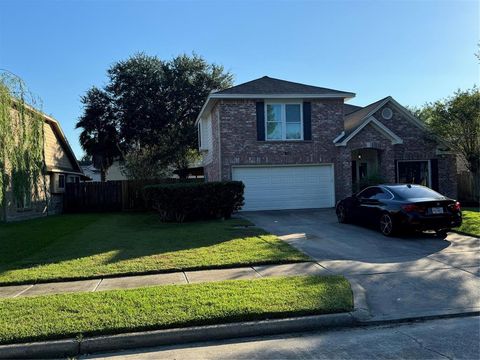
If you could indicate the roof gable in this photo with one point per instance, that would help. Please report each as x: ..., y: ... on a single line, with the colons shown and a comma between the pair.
x: 377, y: 125
x: 57, y: 132
x: 271, y: 86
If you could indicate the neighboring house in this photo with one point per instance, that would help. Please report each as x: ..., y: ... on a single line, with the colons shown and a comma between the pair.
x: 60, y: 167
x: 300, y: 146
x: 91, y: 172
x: 115, y: 172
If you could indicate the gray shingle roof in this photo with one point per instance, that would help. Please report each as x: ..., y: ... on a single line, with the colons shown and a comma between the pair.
x: 271, y: 86
x: 355, y: 118
x: 349, y: 108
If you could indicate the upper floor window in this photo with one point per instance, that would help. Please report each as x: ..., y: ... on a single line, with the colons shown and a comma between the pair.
x: 283, y: 121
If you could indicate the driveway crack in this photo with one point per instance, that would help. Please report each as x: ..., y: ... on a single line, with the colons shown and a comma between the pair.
x: 420, y: 343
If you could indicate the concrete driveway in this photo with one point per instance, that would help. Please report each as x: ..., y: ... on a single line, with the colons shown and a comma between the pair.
x: 409, y: 276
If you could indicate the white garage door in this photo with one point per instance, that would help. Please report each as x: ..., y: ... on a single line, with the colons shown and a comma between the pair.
x: 286, y: 187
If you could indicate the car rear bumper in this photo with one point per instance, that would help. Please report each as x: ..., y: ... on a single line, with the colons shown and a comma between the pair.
x: 432, y: 222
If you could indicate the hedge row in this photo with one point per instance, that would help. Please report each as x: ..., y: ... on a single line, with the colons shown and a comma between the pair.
x: 195, y: 201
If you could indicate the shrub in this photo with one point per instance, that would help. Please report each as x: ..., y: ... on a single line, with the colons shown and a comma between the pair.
x: 195, y: 201
x: 371, y: 180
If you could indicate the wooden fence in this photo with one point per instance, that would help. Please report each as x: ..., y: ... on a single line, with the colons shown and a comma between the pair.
x: 121, y: 195
x: 468, y: 188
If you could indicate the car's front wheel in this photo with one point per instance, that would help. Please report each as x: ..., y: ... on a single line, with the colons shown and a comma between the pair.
x: 442, y: 233
x: 342, y: 214
x: 387, y: 226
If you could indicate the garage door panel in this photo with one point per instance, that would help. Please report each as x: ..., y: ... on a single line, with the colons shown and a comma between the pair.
x: 286, y: 187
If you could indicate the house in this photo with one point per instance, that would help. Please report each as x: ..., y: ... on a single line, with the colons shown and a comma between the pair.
x: 91, y: 172
x: 301, y: 146
x: 60, y: 167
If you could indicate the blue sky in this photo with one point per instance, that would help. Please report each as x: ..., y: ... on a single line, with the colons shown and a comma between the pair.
x: 416, y: 51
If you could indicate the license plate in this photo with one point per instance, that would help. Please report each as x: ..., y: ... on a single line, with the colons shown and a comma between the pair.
x: 437, y: 210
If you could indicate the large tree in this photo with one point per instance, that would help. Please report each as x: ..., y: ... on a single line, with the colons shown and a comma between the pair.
x: 457, y: 121
x: 99, y: 137
x: 154, y: 105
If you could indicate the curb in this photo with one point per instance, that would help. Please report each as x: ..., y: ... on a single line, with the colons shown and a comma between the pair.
x: 72, y: 347
x: 361, y: 311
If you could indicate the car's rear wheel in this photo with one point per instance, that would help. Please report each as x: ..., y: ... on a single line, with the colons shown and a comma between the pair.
x: 387, y: 226
x: 342, y: 214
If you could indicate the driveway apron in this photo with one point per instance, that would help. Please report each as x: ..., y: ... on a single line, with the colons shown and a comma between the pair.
x: 407, y: 276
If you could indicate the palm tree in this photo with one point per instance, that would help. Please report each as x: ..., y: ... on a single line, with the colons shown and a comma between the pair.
x: 99, y: 137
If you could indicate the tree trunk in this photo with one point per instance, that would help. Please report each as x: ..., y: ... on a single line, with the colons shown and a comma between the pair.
x: 103, y: 175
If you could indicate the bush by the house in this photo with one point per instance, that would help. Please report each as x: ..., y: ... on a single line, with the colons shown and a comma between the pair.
x: 194, y: 201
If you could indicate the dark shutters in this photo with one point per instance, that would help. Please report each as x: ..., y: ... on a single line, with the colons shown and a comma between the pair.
x: 434, y: 174
x: 261, y: 121
x: 307, y: 121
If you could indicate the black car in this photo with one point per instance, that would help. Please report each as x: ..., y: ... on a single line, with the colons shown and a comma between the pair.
x: 401, y: 206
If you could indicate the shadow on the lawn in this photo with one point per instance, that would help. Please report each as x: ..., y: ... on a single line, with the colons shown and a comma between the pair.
x: 126, y: 236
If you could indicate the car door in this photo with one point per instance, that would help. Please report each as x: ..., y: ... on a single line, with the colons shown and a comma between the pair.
x: 369, y: 204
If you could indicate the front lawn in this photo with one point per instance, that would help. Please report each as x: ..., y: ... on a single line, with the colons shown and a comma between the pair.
x: 95, y: 245
x: 112, y: 312
x: 471, y: 221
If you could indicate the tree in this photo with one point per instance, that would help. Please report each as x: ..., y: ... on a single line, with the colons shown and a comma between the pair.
x: 153, y: 105
x: 457, y: 121
x: 99, y: 137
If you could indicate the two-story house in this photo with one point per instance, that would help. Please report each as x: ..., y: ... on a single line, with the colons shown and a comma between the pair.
x: 59, y: 168
x: 300, y: 146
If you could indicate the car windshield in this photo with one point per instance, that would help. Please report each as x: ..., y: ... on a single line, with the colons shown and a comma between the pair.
x: 415, y: 192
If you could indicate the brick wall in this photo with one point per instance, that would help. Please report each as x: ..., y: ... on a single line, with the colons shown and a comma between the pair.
x: 239, y: 144
x: 235, y: 138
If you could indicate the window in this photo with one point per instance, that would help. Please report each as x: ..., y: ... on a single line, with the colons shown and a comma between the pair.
x: 25, y: 203
x: 73, y: 179
x: 369, y: 193
x: 416, y: 192
x: 414, y: 172
x: 387, y: 113
x: 61, y: 181
x: 283, y: 121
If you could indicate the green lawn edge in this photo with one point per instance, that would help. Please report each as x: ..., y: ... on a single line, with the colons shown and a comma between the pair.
x: 75, y: 315
x: 94, y: 246
x: 470, y: 222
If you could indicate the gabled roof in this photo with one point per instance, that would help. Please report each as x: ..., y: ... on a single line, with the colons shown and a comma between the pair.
x: 57, y: 129
x: 355, y: 121
x: 355, y: 118
x: 349, y: 108
x: 271, y: 86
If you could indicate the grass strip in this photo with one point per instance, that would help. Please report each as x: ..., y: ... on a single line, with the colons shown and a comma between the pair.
x: 171, y: 306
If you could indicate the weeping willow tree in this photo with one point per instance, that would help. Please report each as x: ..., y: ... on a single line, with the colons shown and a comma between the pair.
x: 21, y: 142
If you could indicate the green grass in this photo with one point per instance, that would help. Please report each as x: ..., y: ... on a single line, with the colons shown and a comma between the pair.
x: 112, y: 312
x: 471, y: 221
x: 96, y: 245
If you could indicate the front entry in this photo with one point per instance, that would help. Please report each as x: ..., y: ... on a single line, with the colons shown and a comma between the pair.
x: 364, y: 168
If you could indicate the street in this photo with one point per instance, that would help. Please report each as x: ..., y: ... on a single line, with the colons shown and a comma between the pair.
x: 456, y: 338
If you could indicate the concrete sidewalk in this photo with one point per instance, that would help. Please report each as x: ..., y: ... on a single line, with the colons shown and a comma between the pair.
x: 181, y: 277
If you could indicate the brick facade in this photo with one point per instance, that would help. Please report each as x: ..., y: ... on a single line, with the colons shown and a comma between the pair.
x: 235, y: 143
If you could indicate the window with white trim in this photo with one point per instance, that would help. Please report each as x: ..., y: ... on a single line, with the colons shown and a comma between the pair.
x: 283, y: 121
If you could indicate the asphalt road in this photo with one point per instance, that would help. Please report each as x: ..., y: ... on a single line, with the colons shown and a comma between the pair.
x: 456, y: 338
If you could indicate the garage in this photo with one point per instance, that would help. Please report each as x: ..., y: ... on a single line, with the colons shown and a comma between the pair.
x: 286, y: 187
